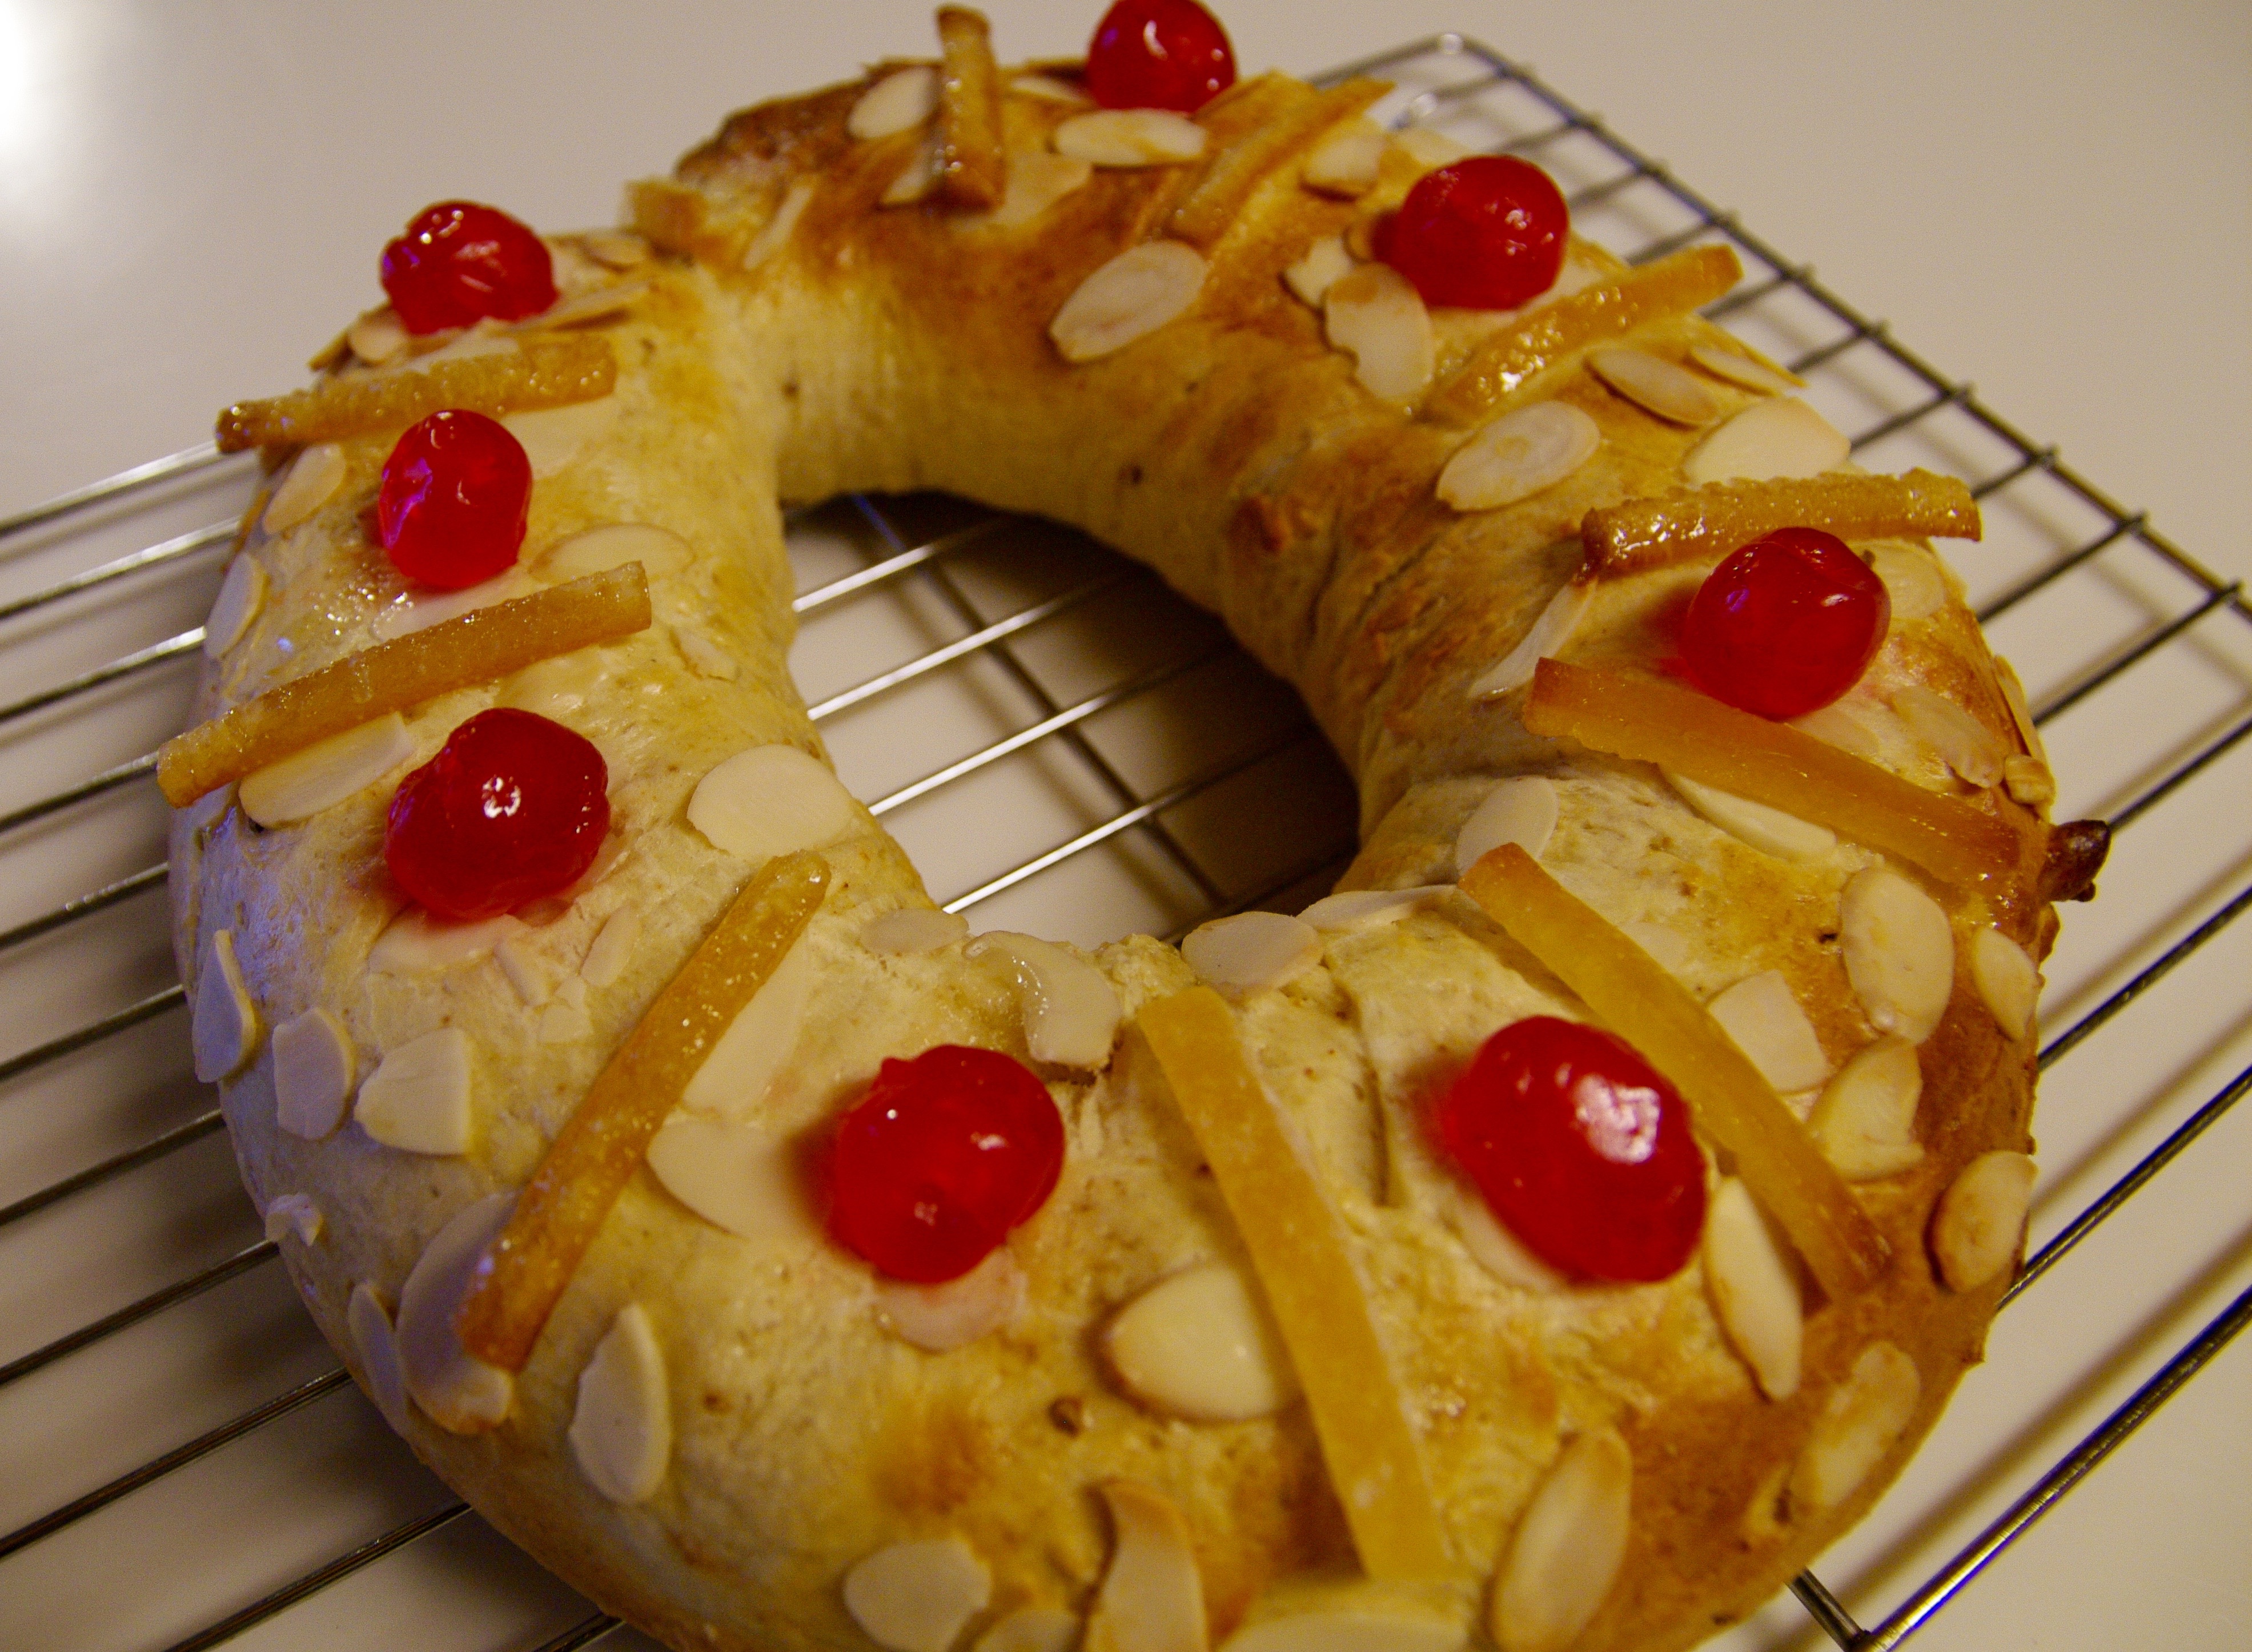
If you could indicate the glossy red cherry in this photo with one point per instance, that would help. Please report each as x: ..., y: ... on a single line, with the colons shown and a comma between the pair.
x: 513, y: 806
x: 942, y: 1157
x: 1582, y: 1150
x: 460, y: 262
x: 1158, y: 55
x: 456, y: 491
x: 1488, y: 232
x: 1786, y: 624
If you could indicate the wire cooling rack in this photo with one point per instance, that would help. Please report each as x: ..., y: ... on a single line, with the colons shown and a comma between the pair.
x: 1063, y: 747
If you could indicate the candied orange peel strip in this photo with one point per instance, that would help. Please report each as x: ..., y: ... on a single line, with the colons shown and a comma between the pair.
x: 1298, y: 1249
x: 973, y: 167
x: 541, y: 371
x: 1714, y: 520
x: 480, y: 646
x: 1505, y: 363
x: 1733, y: 1108
x: 1217, y: 203
x: 1629, y: 715
x: 601, y: 1146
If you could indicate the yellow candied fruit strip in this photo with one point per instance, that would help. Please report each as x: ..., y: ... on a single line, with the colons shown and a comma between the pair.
x: 542, y: 371
x: 1733, y: 1108
x: 479, y: 646
x: 599, y: 1147
x: 1643, y: 718
x: 1298, y: 1249
x: 973, y: 168
x: 1715, y: 520
x: 1672, y: 285
x: 1217, y: 203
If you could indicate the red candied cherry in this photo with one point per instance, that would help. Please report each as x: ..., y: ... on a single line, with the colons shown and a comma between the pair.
x: 456, y: 492
x: 1785, y: 625
x: 460, y: 262
x: 1158, y: 55
x: 512, y: 807
x: 1582, y: 1150
x: 1488, y: 232
x: 942, y: 1157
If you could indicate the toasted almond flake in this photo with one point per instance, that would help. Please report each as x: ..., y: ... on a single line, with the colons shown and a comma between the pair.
x: 1037, y: 180
x: 377, y: 1344
x: 917, y: 1596
x: 294, y: 1213
x: 1251, y: 951
x: 1366, y: 908
x: 612, y: 948
x: 772, y: 800
x: 415, y: 941
x: 315, y: 476
x: 1152, y: 1596
x: 1862, y: 1419
x: 2014, y: 696
x: 242, y: 594
x: 314, y: 1069
x: 555, y: 688
x: 526, y: 972
x: 1429, y: 147
x: 938, y: 1318
x: 326, y: 774
x: 902, y: 99
x: 705, y: 657
x: 1981, y: 1220
x: 593, y: 304
x: 553, y: 437
x: 1867, y: 730
x: 1770, y: 830
x: 1964, y: 744
x: 378, y: 337
x: 1755, y: 1290
x: 738, y: 1175
x: 1048, y: 89
x: 622, y: 1425
x: 1518, y: 455
x: 1741, y: 370
x: 1768, y: 440
x: 1547, y: 637
x: 1912, y: 579
x: 917, y: 179
x: 1130, y: 296
x: 1071, y: 1013
x: 615, y: 249
x: 2027, y: 781
x: 913, y: 929
x: 419, y: 610
x: 1377, y: 316
x: 1346, y: 162
x: 1864, y: 1122
x: 1493, y: 1247
x: 225, y: 1023
x: 1898, y: 950
x: 1768, y: 1024
x: 417, y: 1099
x: 775, y: 233
x: 1319, y: 269
x: 1566, y: 1549
x: 659, y: 550
x: 1521, y: 811
x: 1655, y: 385
x: 458, y: 1391
x: 747, y: 1057
x: 1031, y: 1629
x: 2008, y: 981
x: 1130, y: 138
x: 1198, y: 1345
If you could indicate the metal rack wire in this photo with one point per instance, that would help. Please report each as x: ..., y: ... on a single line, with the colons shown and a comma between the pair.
x: 989, y: 624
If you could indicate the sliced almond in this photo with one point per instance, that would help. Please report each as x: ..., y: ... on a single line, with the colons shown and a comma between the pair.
x: 525, y: 970
x: 1347, y: 161
x: 1566, y: 1550
x: 416, y: 943
x: 1766, y: 829
x: 377, y: 1344
x: 1319, y: 269
x: 915, y: 181
x: 1864, y: 1122
x: 1130, y: 137
x: 419, y: 610
x: 2014, y: 696
x: 913, y: 929
x: 1862, y: 1419
x: 622, y: 1425
x: 775, y: 233
x: 294, y: 1213
x: 1518, y: 455
x: 615, y: 249
x: 1766, y: 441
x: 1378, y: 318
x: 1251, y: 951
x: 1768, y: 1024
x: 1964, y: 744
x: 553, y: 437
x: 1755, y: 1289
x: 2008, y: 981
x: 417, y: 1099
x: 938, y: 1318
x: 1740, y: 369
x: 658, y: 549
x: 1037, y: 180
x: 314, y: 1066
x: 1870, y: 733
x: 378, y: 336
x: 459, y: 1392
x: 326, y: 773
x: 1655, y: 385
x: 1429, y: 147
x: 1368, y: 908
x: 224, y: 1026
x: 1981, y: 1220
x: 1521, y: 811
x: 1048, y: 89
x: 612, y: 948
x: 902, y: 99
x: 1198, y: 1345
x: 1031, y: 1629
x: 1548, y: 636
x: 2027, y: 781
x: 705, y: 658
x: 242, y: 594
x: 738, y: 1175
x: 1898, y: 950
x: 315, y: 476
x: 1152, y: 1596
x: 747, y: 1057
x: 918, y: 1596
x: 1493, y: 1247
x: 772, y: 800
x: 1912, y: 579
x: 1071, y: 1013
x: 1127, y: 298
